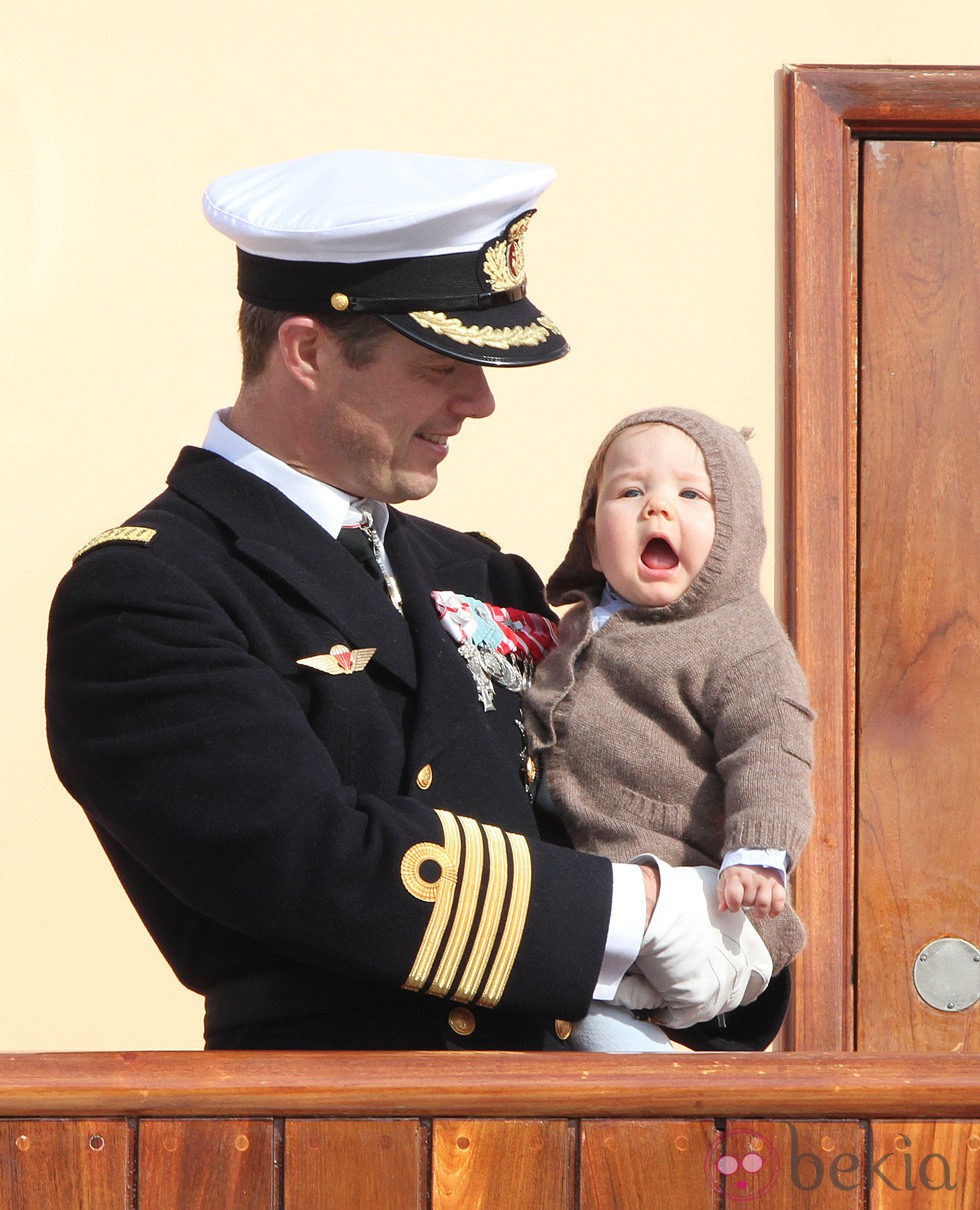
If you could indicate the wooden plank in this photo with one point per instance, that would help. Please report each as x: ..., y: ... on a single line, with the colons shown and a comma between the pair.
x: 351, y: 1164
x: 919, y: 712
x: 819, y: 310
x: 203, y: 1164
x: 891, y: 99
x: 523, y: 1165
x: 919, y: 1164
x: 793, y: 1165
x: 79, y: 1165
x: 473, y: 1084
x: 648, y: 1164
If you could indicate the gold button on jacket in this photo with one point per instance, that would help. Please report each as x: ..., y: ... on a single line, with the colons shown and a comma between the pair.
x: 462, y: 1021
x: 423, y: 779
x: 563, y: 1029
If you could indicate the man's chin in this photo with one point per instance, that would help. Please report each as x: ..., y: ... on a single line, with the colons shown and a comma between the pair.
x: 411, y: 487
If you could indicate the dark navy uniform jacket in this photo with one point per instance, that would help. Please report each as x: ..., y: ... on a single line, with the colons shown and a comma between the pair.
x: 347, y: 860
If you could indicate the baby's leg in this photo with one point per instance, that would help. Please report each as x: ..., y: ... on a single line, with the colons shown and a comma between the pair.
x: 614, y: 1030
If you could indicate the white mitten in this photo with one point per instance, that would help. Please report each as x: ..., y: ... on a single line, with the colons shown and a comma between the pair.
x: 634, y: 992
x: 701, y: 960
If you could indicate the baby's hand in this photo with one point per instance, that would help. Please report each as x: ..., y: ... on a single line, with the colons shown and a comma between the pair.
x: 751, y: 886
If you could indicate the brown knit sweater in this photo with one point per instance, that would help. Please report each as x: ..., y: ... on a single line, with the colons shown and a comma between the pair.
x: 683, y: 730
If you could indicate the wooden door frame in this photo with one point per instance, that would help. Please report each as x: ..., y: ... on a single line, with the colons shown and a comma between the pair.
x: 824, y: 113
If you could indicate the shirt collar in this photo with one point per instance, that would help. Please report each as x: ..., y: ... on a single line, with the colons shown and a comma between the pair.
x: 329, y: 507
x: 610, y: 604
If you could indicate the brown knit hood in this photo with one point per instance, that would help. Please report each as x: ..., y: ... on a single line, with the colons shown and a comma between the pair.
x: 735, y: 560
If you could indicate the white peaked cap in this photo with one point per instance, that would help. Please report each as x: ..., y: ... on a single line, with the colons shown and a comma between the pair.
x: 352, y: 206
x: 431, y: 245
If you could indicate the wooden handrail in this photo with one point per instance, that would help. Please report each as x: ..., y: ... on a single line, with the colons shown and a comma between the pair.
x: 386, y: 1084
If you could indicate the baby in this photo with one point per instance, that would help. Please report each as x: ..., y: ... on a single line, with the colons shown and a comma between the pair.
x: 673, y: 713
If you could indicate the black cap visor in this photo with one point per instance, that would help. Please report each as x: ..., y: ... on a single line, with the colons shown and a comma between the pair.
x: 516, y: 334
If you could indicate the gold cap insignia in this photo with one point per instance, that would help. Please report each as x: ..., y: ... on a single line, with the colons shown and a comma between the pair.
x: 340, y: 660
x: 504, y: 262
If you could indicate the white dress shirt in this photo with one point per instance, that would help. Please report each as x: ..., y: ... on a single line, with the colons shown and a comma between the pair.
x: 328, y: 506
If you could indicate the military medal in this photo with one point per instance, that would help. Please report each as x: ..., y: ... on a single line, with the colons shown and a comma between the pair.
x: 488, y: 666
x: 500, y: 646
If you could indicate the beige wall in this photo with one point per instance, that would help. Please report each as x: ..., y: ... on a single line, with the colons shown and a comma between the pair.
x: 654, y: 251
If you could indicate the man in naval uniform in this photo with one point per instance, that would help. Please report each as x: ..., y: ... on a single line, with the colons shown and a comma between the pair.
x: 316, y: 795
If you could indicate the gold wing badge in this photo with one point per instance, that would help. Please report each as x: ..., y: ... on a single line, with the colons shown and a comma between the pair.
x: 340, y: 660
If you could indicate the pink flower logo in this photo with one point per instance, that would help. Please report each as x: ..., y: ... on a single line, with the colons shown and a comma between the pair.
x: 742, y: 1164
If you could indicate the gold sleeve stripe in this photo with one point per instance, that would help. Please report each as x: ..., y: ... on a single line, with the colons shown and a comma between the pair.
x: 508, y: 890
x: 440, y: 893
x: 493, y: 906
x: 469, y: 892
x: 122, y: 533
x: 520, y: 895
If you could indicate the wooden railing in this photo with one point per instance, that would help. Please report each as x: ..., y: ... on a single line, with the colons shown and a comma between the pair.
x: 278, y: 1131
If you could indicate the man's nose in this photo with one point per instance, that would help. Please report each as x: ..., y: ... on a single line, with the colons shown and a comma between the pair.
x: 473, y: 396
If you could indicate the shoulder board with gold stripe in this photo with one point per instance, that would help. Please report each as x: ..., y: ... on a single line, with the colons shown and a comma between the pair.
x: 121, y: 533
x: 482, y: 537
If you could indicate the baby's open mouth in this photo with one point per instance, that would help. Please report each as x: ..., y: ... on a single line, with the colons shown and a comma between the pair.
x: 659, y: 555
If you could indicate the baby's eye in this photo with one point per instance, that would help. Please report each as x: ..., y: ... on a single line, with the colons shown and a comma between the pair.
x: 631, y: 493
x: 690, y: 493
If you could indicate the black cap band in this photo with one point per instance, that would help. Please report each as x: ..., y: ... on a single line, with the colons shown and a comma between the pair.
x: 449, y: 282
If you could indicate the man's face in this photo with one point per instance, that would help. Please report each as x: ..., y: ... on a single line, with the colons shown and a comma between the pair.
x: 655, y: 517
x: 382, y: 430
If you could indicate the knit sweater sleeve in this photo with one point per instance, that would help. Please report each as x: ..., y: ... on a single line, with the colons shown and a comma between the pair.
x: 762, y: 730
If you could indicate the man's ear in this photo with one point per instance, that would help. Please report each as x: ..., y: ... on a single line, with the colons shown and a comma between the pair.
x: 301, y: 348
x: 590, y: 541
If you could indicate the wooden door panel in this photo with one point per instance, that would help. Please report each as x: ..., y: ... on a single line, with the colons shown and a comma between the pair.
x: 203, y: 1164
x: 65, y: 1165
x: 797, y: 1165
x: 650, y: 1164
x: 918, y: 865
x: 520, y: 1165
x: 348, y: 1164
x: 924, y: 1164
x: 845, y: 275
